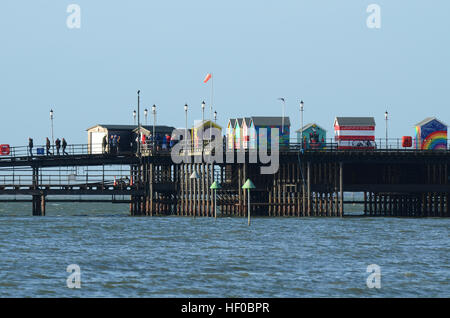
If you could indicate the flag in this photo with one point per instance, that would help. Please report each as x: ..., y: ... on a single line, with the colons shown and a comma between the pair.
x: 207, y: 78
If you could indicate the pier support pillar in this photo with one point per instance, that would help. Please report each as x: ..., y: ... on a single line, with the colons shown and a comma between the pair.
x: 308, y: 185
x: 38, y: 205
x: 341, y: 189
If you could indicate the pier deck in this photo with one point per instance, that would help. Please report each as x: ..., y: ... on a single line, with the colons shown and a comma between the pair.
x: 393, y: 182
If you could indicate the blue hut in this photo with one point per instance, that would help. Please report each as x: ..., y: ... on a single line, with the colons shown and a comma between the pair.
x: 431, y: 134
x: 314, y: 136
x: 270, y: 123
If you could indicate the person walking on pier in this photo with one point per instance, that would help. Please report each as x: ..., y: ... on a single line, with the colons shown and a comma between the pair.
x: 58, y: 145
x: 30, y: 146
x: 111, y: 148
x: 104, y: 143
x: 117, y: 144
x: 47, y: 146
x: 114, y: 143
x: 64, y: 145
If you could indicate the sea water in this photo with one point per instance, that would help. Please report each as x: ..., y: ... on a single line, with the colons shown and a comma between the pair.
x: 123, y: 256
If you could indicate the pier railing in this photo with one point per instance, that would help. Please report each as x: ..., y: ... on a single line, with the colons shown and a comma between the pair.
x: 150, y: 148
x: 41, y: 151
x: 117, y: 177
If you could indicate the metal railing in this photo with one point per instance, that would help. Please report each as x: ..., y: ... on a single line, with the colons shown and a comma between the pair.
x: 194, y: 148
x: 106, y: 176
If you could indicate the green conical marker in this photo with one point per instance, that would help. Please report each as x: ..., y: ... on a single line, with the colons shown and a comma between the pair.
x: 248, y: 185
x: 215, y: 186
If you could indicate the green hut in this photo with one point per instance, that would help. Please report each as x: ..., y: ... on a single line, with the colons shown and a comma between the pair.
x: 314, y: 136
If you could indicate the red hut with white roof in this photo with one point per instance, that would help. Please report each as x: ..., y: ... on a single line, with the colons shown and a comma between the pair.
x: 354, y: 132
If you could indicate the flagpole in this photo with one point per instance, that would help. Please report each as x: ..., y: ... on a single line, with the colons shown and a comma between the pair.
x: 210, y: 125
x: 211, y: 107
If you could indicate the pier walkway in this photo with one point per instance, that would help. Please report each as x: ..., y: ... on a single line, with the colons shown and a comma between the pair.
x: 393, y: 181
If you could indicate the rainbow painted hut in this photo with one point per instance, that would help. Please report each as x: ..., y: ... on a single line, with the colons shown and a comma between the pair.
x: 431, y: 134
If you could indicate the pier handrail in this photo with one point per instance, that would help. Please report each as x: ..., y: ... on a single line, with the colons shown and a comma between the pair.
x: 149, y: 148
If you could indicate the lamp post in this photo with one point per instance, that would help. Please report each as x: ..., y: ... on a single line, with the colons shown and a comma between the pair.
x: 301, y: 123
x: 386, y: 119
x: 139, y: 125
x: 203, y: 111
x: 282, y: 115
x: 186, y: 129
x: 145, y: 115
x: 203, y: 122
x: 51, y: 119
x: 154, y: 123
x: 134, y: 116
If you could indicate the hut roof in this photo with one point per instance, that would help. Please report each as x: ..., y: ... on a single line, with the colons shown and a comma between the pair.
x: 270, y: 121
x: 158, y: 128
x: 232, y: 122
x: 428, y: 119
x: 205, y: 123
x: 308, y: 126
x: 247, y: 121
x: 355, y: 121
x: 239, y: 121
x: 115, y: 127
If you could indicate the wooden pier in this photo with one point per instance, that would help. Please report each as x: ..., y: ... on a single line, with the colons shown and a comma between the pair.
x: 399, y: 183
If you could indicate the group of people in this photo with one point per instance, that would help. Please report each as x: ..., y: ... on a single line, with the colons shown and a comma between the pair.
x: 163, y: 142
x: 58, y: 145
x: 112, y: 144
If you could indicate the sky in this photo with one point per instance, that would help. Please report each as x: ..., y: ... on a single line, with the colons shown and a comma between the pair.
x: 318, y: 51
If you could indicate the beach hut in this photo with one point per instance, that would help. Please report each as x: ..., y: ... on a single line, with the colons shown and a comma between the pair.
x: 354, y: 132
x: 127, y: 134
x: 248, y: 133
x: 160, y: 135
x: 314, y: 136
x: 431, y: 134
x: 270, y: 123
x: 231, y: 133
x: 98, y: 132
x: 238, y: 128
x: 200, y: 127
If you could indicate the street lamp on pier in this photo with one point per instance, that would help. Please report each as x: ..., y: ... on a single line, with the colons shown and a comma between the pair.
x: 186, y: 129
x: 154, y: 123
x: 203, y: 121
x: 51, y: 120
x: 386, y: 119
x: 139, y: 124
x: 301, y: 123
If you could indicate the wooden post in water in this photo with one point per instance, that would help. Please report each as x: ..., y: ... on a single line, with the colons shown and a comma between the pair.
x: 194, y: 178
x: 341, y: 189
x: 309, y: 187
